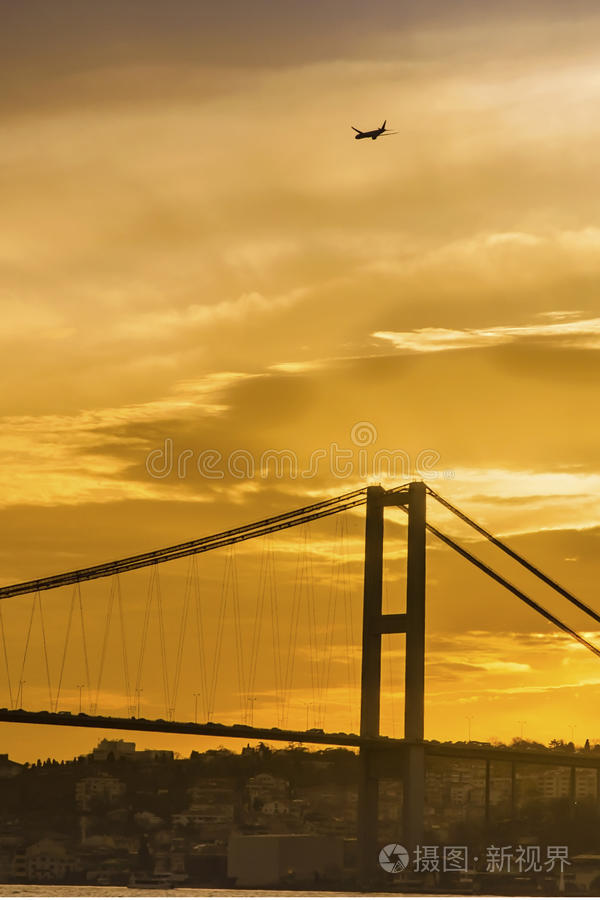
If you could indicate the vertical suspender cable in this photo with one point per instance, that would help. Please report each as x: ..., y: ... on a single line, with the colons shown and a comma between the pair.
x: 257, y: 628
x: 314, y: 644
x: 27, y: 639
x: 163, y: 646
x: 351, y: 660
x: 181, y: 643
x: 5, y: 654
x: 86, y: 659
x: 45, y: 643
x: 65, y: 649
x: 293, y: 637
x: 107, y: 621
x: 144, y: 634
x: 237, y: 627
x: 212, y: 691
x: 200, y: 636
x: 275, y: 633
x: 126, y: 680
x: 334, y: 587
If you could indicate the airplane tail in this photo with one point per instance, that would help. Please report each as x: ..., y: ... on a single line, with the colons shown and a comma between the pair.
x: 383, y: 126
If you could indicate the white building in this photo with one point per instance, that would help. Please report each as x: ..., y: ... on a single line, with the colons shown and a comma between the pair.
x: 117, y: 749
x: 48, y: 861
x: 104, y: 788
x: 555, y: 783
x: 8, y: 768
x: 265, y: 860
x: 267, y: 789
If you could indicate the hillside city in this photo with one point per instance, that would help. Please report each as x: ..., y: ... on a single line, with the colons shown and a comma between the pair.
x: 103, y: 816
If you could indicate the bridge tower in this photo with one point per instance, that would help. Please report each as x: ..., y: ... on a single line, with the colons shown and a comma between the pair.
x: 411, y: 623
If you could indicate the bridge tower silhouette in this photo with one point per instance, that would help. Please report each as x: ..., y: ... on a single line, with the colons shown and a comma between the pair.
x: 375, y: 624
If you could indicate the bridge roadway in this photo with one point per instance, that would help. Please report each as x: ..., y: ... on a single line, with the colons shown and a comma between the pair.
x: 471, y: 751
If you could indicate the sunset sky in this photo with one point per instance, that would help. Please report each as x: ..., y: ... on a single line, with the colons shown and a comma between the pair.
x: 195, y: 254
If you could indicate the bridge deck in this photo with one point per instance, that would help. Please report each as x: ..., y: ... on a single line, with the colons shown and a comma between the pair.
x: 316, y: 736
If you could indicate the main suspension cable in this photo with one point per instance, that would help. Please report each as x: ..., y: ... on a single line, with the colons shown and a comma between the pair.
x: 201, y: 545
x: 516, y: 556
x: 514, y: 590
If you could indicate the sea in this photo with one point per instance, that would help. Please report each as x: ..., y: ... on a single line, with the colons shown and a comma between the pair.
x: 69, y: 890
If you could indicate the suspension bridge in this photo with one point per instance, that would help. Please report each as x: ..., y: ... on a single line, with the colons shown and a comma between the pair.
x: 298, y: 640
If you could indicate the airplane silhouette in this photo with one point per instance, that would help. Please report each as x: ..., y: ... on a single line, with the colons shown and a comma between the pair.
x: 372, y: 134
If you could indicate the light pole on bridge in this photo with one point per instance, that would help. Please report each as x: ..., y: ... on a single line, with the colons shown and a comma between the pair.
x: 469, y: 720
x: 196, y: 695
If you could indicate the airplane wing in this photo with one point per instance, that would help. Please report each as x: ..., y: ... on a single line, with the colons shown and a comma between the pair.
x: 358, y: 131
